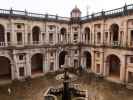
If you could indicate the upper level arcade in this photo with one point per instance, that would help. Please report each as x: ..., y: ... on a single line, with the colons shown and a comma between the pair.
x: 111, y: 28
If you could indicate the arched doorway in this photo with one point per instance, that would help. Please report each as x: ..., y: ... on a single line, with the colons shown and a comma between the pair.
x: 63, y: 34
x: 5, y: 68
x: 87, y: 35
x: 35, y: 34
x: 87, y: 56
x: 62, y: 58
x: 37, y: 64
x: 113, y: 63
x: 114, y: 32
x: 2, y: 33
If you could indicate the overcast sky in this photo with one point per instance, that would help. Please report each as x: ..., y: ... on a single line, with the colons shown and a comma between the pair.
x: 62, y: 7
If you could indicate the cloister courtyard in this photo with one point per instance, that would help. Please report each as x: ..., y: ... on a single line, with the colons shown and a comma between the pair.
x: 33, y: 89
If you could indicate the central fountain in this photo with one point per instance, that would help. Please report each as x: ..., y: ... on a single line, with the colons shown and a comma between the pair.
x: 67, y: 90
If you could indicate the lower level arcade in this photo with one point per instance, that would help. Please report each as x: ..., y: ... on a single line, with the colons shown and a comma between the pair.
x: 114, y: 65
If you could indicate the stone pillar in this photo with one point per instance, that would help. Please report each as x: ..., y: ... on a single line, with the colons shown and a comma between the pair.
x: 16, y: 69
x: 102, y: 63
x: 47, y: 62
x: 28, y: 65
x: 13, y: 34
x: 56, y: 36
x: 93, y: 61
x: 5, y: 36
x: 56, y: 60
x: 44, y: 63
x: 123, y: 68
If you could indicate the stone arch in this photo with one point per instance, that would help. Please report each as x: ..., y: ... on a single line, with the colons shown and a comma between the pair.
x: 114, y: 32
x: 62, y: 56
x: 5, y: 69
x: 2, y: 33
x: 35, y: 34
x: 87, y: 34
x: 37, y: 63
x: 87, y: 59
x: 113, y: 64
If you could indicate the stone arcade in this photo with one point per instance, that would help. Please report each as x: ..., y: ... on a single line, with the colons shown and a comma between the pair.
x: 33, y: 44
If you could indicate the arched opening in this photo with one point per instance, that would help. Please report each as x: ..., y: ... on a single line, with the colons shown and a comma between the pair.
x: 35, y: 34
x: 87, y: 56
x: 37, y: 64
x: 5, y: 68
x: 2, y: 33
x: 63, y: 34
x: 87, y: 35
x: 114, y: 30
x: 113, y: 63
x: 62, y: 56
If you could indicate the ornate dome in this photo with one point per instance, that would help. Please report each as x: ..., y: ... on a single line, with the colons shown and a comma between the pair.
x: 75, y: 12
x: 76, y: 9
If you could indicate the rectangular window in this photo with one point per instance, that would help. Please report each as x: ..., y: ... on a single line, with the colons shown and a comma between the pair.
x: 51, y: 66
x: 21, y: 57
x: 75, y: 37
x: 106, y: 36
x: 8, y: 37
x: 29, y: 37
x: 19, y: 26
x: 21, y: 71
x: 98, y: 54
x: 43, y: 37
x: 19, y: 38
x: 98, y: 68
x: 51, y: 37
x: 75, y: 63
x: 98, y: 37
x: 132, y: 36
x: 131, y: 59
x: 51, y: 54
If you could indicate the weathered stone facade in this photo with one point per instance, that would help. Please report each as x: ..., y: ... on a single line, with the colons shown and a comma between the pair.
x: 33, y: 44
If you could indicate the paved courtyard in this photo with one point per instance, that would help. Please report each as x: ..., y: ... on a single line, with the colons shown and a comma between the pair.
x: 34, y: 89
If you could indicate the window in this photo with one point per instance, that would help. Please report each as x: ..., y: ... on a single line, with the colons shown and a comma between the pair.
x: 75, y: 37
x: 19, y: 26
x: 29, y: 37
x: 19, y: 37
x: 131, y: 59
x: 106, y: 36
x: 51, y: 66
x: 8, y: 37
x: 98, y: 37
x: 131, y: 35
x: 51, y: 27
x: 76, y: 51
x: 51, y: 37
x: 75, y: 28
x: 98, y: 68
x: 21, y: 71
x: 51, y: 54
x: 43, y: 36
x: 98, y: 54
x: 21, y: 57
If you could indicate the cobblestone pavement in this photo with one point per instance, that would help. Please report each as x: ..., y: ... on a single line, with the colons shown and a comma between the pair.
x: 34, y: 89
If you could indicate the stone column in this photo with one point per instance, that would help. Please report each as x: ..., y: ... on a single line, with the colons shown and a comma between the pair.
x: 28, y: 65
x: 13, y: 34
x: 123, y: 68
x: 5, y: 36
x: 102, y: 63
x: 93, y: 61
x: 16, y: 69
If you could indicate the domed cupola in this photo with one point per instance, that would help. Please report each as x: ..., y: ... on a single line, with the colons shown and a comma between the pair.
x: 75, y: 13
